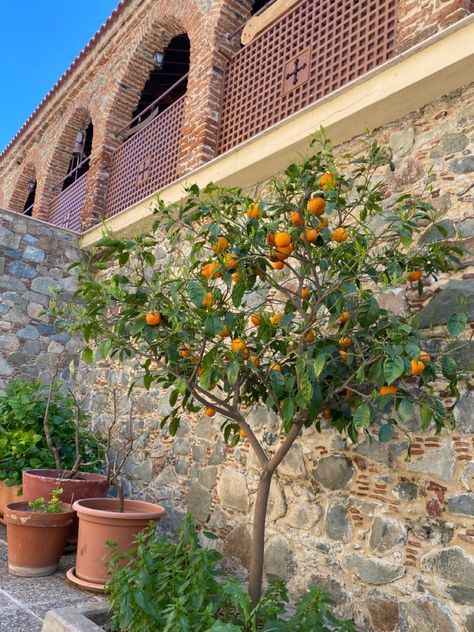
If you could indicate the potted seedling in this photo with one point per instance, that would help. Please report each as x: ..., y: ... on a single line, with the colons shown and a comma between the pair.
x: 104, y: 520
x: 37, y: 532
x: 84, y: 452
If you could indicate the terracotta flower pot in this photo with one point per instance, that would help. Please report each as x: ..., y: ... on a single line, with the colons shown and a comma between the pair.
x: 40, y: 484
x: 35, y: 540
x: 8, y: 495
x: 99, y: 522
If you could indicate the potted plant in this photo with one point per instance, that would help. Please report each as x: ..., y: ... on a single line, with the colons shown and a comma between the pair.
x: 105, y: 520
x: 71, y: 463
x: 37, y: 533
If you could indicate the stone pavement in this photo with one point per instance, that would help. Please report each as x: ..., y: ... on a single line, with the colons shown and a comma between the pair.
x: 24, y: 601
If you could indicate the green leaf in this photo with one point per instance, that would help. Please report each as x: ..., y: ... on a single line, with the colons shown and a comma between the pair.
x: 196, y: 293
x: 318, y: 364
x: 405, y: 410
x: 386, y: 433
x: 456, y: 324
x: 368, y: 313
x: 413, y: 350
x: 306, y: 387
x: 375, y: 373
x: 449, y: 367
x: 362, y: 416
x: 238, y: 293
x: 174, y: 425
x: 288, y: 410
x: 233, y: 372
x: 88, y: 355
x: 426, y: 415
x: 213, y: 325
x: 392, y: 369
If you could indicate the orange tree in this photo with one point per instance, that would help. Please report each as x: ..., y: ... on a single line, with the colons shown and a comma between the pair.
x: 274, y: 303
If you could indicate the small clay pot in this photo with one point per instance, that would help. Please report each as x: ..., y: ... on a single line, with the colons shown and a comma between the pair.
x: 101, y: 521
x: 8, y: 495
x: 35, y: 539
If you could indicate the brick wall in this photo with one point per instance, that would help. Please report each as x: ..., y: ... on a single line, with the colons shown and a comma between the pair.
x: 33, y: 257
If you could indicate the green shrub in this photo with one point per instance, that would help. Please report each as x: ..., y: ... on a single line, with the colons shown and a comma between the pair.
x: 166, y: 586
x: 23, y: 443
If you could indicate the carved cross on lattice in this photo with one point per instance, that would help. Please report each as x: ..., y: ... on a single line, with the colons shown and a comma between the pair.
x: 143, y: 171
x: 296, y: 71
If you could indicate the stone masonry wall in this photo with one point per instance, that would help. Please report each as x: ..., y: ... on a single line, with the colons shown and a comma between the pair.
x: 34, y: 256
x: 392, y: 540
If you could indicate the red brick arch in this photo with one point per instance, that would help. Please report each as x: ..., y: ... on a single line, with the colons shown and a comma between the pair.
x: 20, y: 190
x: 60, y: 157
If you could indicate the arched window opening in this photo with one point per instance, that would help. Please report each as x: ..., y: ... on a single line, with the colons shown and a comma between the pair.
x: 259, y: 5
x: 30, y: 200
x: 166, y: 84
x: 79, y: 163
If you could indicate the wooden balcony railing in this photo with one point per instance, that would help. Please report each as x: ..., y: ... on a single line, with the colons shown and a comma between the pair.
x: 66, y: 208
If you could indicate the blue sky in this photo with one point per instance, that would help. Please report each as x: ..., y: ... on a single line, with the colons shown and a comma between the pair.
x: 38, y: 41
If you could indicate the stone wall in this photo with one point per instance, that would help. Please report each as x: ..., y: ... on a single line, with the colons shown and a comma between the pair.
x: 391, y: 539
x: 34, y: 256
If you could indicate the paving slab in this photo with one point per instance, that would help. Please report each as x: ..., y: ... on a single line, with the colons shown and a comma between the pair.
x: 24, y: 601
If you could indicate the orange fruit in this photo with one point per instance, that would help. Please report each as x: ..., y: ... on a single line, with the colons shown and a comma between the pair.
x: 342, y: 355
x: 253, y: 211
x: 238, y: 345
x: 316, y: 206
x: 242, y: 433
x: 153, y: 319
x: 209, y: 270
x: 345, y: 342
x: 208, y: 300
x: 275, y: 319
x: 305, y: 292
x: 256, y: 319
x: 276, y: 367
x: 278, y: 265
x: 200, y: 371
x: 323, y: 223
x: 344, y: 317
x: 311, y: 235
x: 417, y: 367
x: 425, y: 357
x: 388, y: 390
x: 231, y: 261
x: 225, y: 333
x: 327, y: 181
x: 184, y: 353
x: 236, y: 277
x: 326, y: 414
x: 220, y: 245
x: 246, y: 352
x: 255, y: 360
x: 310, y: 336
x: 209, y: 412
x: 415, y: 275
x: 296, y: 219
x: 282, y: 240
x: 340, y: 234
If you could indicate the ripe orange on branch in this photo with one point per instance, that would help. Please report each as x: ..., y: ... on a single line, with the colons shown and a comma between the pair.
x: 210, y: 412
x: 327, y: 181
x: 345, y: 342
x: 231, y: 261
x: 225, y: 333
x: 255, y: 359
x: 278, y: 265
x: 425, y: 357
x: 388, y: 390
x: 210, y: 270
x: 253, y: 211
x: 238, y: 345
x: 305, y: 292
x: 310, y: 336
x: 282, y: 240
x: 344, y: 317
x: 311, y: 235
x: 276, y: 367
x: 296, y: 219
x: 256, y: 319
x: 153, y: 318
x: 275, y: 319
x: 220, y: 245
x: 417, y: 367
x: 340, y: 234
x: 316, y: 206
x: 415, y: 275
x: 208, y: 300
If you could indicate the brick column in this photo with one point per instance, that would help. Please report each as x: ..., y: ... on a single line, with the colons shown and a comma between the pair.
x: 96, y: 191
x: 419, y: 19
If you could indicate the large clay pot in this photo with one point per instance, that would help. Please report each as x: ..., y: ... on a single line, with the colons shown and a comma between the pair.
x: 40, y: 484
x: 35, y: 540
x: 8, y: 495
x: 101, y: 521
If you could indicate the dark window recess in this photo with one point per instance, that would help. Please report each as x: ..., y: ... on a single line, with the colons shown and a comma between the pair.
x: 176, y: 65
x: 258, y: 5
x: 75, y: 175
x: 30, y: 200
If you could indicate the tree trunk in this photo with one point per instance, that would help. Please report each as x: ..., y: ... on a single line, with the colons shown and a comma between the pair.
x: 258, y: 537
